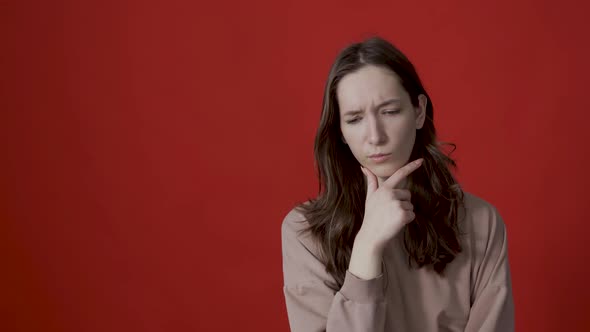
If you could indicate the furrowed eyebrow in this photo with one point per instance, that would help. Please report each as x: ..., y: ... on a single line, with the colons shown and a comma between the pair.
x: 389, y: 102
x: 354, y: 112
x: 385, y: 103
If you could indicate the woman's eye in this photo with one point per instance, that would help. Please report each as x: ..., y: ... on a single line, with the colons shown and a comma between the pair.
x: 391, y: 111
x: 353, y: 120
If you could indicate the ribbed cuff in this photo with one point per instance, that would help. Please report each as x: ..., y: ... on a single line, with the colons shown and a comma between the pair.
x: 363, y: 291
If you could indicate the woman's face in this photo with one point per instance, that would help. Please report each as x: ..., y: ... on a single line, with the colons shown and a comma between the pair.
x: 377, y: 119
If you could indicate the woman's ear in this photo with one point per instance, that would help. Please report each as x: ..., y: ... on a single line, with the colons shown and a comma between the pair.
x: 421, y: 111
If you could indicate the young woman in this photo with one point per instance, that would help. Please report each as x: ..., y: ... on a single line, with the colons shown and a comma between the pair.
x: 391, y: 243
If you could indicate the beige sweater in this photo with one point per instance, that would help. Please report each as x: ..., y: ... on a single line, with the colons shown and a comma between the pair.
x: 475, y: 293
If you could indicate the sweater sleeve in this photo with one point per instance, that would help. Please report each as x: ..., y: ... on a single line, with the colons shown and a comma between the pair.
x: 312, y: 306
x: 492, y: 306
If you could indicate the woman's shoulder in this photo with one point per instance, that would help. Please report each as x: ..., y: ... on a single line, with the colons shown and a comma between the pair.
x: 482, y: 221
x: 295, y: 231
x: 295, y: 221
x: 476, y: 204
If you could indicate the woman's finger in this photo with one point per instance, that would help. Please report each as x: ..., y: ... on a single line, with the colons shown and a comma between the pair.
x: 371, y: 180
x: 402, y: 194
x: 407, y: 205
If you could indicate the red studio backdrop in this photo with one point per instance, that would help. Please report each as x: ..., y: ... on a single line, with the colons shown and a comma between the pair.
x: 150, y: 150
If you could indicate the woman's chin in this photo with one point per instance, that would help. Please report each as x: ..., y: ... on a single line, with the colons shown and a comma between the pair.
x: 383, y: 171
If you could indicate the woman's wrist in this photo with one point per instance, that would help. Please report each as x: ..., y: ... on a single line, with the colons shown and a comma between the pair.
x: 368, y: 243
x: 365, y: 259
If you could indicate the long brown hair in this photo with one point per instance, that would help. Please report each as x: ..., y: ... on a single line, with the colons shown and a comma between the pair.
x: 336, y: 214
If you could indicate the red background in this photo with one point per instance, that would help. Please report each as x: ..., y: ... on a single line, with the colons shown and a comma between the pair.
x: 151, y: 149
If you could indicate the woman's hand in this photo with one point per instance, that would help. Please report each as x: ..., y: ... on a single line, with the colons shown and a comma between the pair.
x: 387, y: 211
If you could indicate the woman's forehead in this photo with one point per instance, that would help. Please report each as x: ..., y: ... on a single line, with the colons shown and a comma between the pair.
x: 369, y: 86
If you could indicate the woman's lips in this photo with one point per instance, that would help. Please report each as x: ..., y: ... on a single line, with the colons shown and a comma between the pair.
x: 379, y: 158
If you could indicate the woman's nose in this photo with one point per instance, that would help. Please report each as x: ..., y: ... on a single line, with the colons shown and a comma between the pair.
x: 375, y: 132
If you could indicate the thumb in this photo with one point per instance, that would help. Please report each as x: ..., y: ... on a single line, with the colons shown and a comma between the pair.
x: 372, y: 183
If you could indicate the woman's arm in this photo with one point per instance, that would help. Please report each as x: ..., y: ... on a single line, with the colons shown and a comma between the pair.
x: 360, y: 304
x: 311, y: 305
x: 492, y: 306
